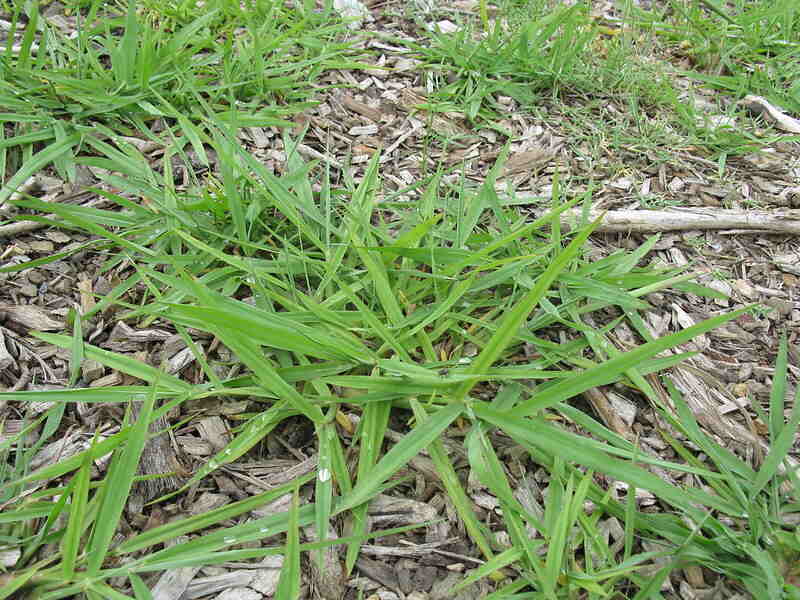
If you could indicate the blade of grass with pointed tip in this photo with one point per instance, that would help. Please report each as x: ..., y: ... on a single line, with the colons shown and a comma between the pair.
x: 612, y: 369
x: 253, y: 432
x: 118, y: 483
x: 453, y: 487
x: 70, y: 543
x: 779, y: 450
x: 36, y: 163
x: 123, y: 58
x: 403, y: 451
x: 119, y: 362
x: 323, y: 488
x: 557, y: 442
x: 73, y: 462
x: 204, y: 558
x: 371, y: 432
x: 140, y: 589
x: 777, y: 396
x: 24, y: 54
x: 557, y: 539
x: 512, y: 322
x: 170, y: 531
x: 493, y: 565
x: 17, y: 582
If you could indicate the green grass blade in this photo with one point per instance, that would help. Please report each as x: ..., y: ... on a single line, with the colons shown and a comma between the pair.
x: 612, y: 369
x: 117, y: 487
x: 779, y: 450
x: 511, y: 324
x: 497, y: 562
x: 120, y: 363
x: 289, y: 582
x: 453, y: 487
x: 36, y: 163
x: 411, y: 444
x: 323, y: 489
x: 777, y: 396
x: 169, y: 531
x: 140, y: 589
x: 371, y: 431
x: 70, y: 543
x: 538, y: 434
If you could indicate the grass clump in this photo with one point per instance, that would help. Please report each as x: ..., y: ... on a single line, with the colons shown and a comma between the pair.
x: 333, y: 307
x: 128, y: 73
x: 330, y: 311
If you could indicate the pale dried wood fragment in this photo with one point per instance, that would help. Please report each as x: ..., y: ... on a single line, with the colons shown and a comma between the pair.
x: 362, y: 109
x: 7, y: 360
x: 203, y: 586
x: 779, y: 221
x: 31, y: 317
x: 760, y: 105
x: 173, y: 582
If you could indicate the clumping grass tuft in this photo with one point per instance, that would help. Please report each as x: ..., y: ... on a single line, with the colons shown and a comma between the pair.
x: 331, y: 303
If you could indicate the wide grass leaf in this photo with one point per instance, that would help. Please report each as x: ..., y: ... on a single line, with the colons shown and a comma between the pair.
x: 609, y: 371
x: 411, y: 444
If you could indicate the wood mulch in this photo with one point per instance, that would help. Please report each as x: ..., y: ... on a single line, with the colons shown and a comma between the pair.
x: 378, y: 110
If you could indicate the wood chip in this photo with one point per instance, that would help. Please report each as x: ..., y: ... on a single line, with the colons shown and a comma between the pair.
x: 31, y: 317
x: 203, y: 586
x: 362, y: 109
x: 173, y: 582
x: 761, y: 106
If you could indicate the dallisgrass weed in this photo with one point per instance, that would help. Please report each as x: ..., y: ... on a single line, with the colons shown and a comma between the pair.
x: 122, y: 72
x: 328, y: 308
x: 331, y: 302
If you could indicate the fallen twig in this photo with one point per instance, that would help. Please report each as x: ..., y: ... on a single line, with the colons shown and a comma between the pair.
x: 684, y: 219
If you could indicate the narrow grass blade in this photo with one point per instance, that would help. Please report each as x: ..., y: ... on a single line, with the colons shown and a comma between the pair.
x: 119, y: 362
x: 253, y: 432
x: 557, y: 539
x: 24, y: 55
x: 779, y: 450
x: 289, y: 582
x: 511, y: 323
x: 17, y: 582
x: 70, y: 543
x: 118, y: 483
x: 371, y: 431
x: 777, y: 396
x: 556, y: 442
x: 497, y: 562
x: 174, y: 529
x: 411, y: 444
x: 453, y: 487
x: 140, y: 589
x: 612, y: 369
x: 73, y: 462
x: 36, y: 163
x: 323, y: 489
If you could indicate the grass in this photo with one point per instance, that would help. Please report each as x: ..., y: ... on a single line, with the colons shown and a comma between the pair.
x: 543, y: 53
x: 337, y: 308
x: 120, y: 75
